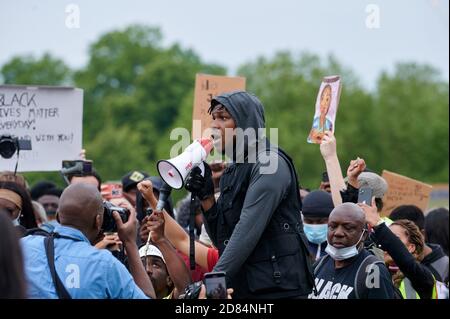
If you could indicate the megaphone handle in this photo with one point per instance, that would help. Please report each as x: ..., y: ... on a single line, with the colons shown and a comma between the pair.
x: 202, y: 168
x: 191, y: 233
x: 146, y: 248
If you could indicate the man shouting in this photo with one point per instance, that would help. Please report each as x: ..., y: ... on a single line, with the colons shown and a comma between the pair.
x: 255, y: 223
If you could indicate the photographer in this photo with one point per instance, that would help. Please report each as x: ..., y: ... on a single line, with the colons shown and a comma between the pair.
x: 80, y: 270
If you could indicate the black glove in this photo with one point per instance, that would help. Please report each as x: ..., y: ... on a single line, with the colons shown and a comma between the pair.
x: 201, y: 186
x: 350, y: 194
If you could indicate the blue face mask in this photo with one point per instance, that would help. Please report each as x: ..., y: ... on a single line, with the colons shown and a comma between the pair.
x: 316, y: 233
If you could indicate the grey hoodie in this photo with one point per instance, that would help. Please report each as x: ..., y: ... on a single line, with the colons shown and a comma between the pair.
x: 263, y: 197
x: 248, y: 113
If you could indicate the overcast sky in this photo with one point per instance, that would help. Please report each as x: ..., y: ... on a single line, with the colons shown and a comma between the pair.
x: 236, y: 31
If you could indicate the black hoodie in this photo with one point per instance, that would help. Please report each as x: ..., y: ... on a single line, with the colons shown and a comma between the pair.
x: 437, y: 262
x: 256, y: 222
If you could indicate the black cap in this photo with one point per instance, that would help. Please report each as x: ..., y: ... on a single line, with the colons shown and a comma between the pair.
x: 317, y: 204
x: 131, y: 179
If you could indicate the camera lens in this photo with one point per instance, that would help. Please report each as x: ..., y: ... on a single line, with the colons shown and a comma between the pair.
x: 8, y: 147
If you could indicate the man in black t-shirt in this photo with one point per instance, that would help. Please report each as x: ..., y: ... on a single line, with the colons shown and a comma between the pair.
x: 349, y: 271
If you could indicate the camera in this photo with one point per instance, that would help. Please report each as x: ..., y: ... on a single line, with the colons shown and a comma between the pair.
x: 325, y: 178
x: 109, y: 223
x: 10, y: 145
x: 192, y: 291
x: 75, y: 168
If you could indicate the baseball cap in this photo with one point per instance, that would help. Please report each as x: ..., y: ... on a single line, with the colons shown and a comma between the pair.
x: 131, y: 179
x: 151, y: 251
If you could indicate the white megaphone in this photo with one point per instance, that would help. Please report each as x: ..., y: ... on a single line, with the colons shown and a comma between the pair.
x: 175, y: 170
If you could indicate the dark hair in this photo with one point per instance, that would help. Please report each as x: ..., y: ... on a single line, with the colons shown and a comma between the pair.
x: 94, y: 173
x: 414, y: 235
x: 44, y: 188
x: 379, y: 204
x: 12, y: 278
x: 27, y: 218
x: 409, y: 212
x: 436, y: 228
x: 327, y: 86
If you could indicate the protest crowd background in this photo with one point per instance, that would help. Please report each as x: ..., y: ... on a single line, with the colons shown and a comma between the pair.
x: 137, y: 89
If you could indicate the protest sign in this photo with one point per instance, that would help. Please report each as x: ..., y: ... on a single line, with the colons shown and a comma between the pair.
x: 206, y: 87
x: 49, y: 117
x: 403, y: 190
x: 326, y: 108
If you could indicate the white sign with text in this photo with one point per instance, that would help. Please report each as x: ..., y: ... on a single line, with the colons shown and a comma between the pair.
x: 50, y: 117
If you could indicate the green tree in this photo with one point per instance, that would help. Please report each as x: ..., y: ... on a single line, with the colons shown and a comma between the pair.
x: 46, y: 70
x: 412, y: 110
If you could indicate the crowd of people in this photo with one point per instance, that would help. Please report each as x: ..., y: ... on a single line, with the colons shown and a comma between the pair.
x: 270, y: 236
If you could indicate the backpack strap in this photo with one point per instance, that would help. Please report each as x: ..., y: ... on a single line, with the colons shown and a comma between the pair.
x: 361, y: 284
x: 319, y: 263
x: 37, y: 231
x: 49, y: 245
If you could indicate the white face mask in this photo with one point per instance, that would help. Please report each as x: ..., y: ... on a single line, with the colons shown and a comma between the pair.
x: 16, y: 221
x: 343, y: 253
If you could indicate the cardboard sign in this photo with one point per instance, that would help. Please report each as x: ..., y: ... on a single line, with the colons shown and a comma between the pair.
x: 206, y: 87
x: 403, y: 190
x: 49, y: 117
x: 326, y: 108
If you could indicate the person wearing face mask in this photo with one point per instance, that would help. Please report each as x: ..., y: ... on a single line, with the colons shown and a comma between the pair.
x: 349, y: 271
x: 65, y: 265
x: 317, y: 206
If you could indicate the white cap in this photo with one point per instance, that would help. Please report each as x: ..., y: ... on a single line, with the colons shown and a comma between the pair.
x: 151, y: 251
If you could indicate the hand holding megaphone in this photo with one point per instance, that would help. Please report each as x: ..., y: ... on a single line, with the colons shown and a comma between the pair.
x: 200, y: 184
x: 175, y: 170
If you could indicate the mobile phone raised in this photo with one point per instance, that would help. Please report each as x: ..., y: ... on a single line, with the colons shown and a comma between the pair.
x: 216, y: 286
x: 365, y: 195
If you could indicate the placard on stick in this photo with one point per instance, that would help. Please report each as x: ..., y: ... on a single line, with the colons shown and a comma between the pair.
x: 206, y: 87
x: 403, y: 190
x: 50, y: 117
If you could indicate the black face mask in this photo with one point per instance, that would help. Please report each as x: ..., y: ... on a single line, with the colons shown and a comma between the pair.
x: 51, y: 213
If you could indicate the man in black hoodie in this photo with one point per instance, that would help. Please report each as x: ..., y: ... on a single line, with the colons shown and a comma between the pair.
x: 256, y: 222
